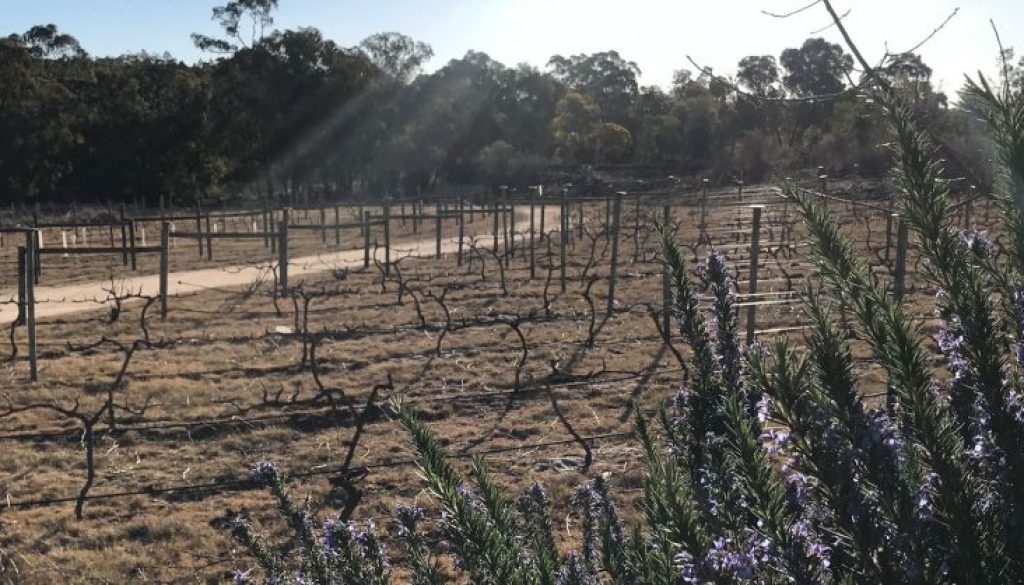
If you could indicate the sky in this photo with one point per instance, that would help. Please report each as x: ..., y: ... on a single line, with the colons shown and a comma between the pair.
x: 656, y: 34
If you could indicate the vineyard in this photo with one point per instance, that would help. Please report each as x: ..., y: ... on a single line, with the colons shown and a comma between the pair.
x: 523, y: 332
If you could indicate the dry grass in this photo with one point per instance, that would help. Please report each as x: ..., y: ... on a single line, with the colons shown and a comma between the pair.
x: 227, y: 362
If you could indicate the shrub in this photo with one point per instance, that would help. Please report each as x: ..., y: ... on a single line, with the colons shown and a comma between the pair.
x: 769, y: 467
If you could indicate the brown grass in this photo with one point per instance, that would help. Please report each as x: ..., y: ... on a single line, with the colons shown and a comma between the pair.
x: 227, y: 362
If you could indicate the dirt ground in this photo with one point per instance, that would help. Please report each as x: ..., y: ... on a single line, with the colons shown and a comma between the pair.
x: 224, y: 385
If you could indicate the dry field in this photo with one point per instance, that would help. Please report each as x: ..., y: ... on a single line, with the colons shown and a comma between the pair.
x: 228, y: 382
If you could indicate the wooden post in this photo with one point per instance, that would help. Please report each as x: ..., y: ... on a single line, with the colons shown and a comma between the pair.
x: 636, y: 230
x: 613, y: 274
x: 902, y: 241
x: 504, y: 221
x: 282, y: 250
x: 165, y: 250
x: 124, y: 238
x: 543, y: 212
x: 462, y: 226
x: 131, y: 239
x: 512, y: 228
x: 533, y: 209
x: 563, y: 235
x: 209, y: 238
x: 31, y: 256
x: 337, y: 226
x: 266, y: 226
x: 496, y: 227
x: 608, y: 216
x: 37, y: 261
x: 323, y: 224
x: 666, y: 281
x: 387, y: 237
x: 199, y: 229
x: 437, y: 229
x: 21, y: 285
x: 755, y: 250
x: 273, y: 228
x: 703, y: 238
x: 888, y: 234
x: 366, y: 239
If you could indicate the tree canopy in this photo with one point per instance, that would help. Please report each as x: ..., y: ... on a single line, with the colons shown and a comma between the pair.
x: 280, y: 110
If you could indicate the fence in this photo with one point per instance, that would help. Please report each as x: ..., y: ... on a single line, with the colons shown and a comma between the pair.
x: 278, y: 225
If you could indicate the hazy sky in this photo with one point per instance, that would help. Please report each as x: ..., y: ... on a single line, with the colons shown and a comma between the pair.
x: 656, y: 34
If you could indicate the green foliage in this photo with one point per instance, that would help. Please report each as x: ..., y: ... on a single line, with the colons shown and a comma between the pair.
x: 279, y: 112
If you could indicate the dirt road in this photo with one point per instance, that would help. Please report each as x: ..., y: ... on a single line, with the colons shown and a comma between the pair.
x: 55, y: 301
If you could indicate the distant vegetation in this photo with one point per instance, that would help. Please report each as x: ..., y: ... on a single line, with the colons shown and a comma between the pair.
x: 282, y: 110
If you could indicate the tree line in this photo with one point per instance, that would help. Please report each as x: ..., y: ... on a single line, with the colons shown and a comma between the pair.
x: 285, y: 111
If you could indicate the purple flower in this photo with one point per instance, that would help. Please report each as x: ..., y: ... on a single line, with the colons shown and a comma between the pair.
x: 574, y: 572
x: 265, y: 473
x: 977, y: 242
x: 723, y: 559
x: 330, y: 537
x: 408, y: 518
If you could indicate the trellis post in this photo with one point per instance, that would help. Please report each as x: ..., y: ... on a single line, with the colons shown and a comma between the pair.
x: 755, y: 250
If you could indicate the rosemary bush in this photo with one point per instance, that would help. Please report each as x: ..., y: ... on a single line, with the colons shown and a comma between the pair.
x: 770, y: 467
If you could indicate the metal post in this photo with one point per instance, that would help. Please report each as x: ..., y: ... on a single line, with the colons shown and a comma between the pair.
x: 755, y: 250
